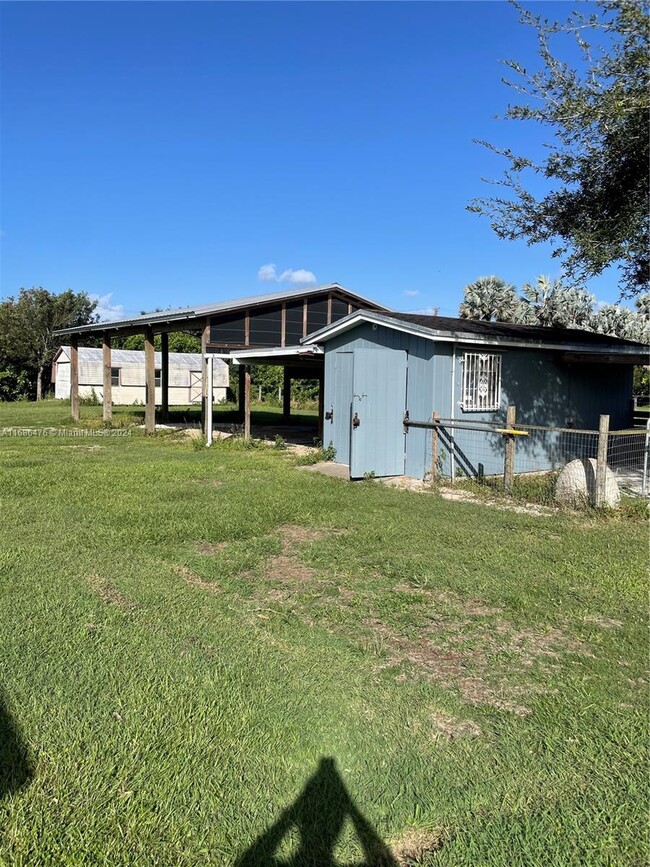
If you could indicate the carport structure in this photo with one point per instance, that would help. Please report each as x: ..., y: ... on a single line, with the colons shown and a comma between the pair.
x: 260, y: 329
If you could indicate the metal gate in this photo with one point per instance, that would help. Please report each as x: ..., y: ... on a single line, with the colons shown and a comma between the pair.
x: 378, y: 441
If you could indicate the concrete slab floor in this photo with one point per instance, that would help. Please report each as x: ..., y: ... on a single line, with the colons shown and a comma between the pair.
x: 328, y: 468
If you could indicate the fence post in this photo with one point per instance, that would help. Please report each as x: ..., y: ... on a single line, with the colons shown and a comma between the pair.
x: 434, y: 448
x: 509, y: 456
x: 601, y: 461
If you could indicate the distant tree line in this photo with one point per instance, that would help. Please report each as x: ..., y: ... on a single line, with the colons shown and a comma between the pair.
x: 27, y: 343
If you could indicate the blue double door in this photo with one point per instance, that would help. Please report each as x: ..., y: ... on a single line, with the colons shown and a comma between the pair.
x: 369, y: 406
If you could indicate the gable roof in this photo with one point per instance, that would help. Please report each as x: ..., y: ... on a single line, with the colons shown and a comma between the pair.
x: 199, y: 311
x: 447, y: 329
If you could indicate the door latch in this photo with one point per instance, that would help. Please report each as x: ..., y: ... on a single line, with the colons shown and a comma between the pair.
x: 329, y: 415
x: 356, y: 421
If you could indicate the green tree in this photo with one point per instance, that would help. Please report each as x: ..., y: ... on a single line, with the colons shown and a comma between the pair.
x: 179, y: 341
x: 596, y: 209
x: 27, y: 342
x: 489, y: 299
x: 550, y: 303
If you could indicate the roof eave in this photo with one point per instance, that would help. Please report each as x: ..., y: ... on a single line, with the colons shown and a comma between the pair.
x: 342, y: 325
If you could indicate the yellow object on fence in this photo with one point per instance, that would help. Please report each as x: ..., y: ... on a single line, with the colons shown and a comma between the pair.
x: 510, y: 432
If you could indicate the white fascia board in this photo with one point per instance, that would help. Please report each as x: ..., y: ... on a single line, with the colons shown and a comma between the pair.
x: 275, y: 352
x: 436, y: 336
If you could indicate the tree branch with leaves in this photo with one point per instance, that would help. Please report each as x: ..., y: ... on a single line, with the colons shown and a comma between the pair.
x: 596, y: 211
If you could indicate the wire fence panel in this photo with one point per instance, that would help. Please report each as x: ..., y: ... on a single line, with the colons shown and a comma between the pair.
x: 458, y: 451
x: 627, y: 457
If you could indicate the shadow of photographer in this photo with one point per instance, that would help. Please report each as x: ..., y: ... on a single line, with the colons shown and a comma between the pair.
x: 318, y: 816
x: 15, y: 766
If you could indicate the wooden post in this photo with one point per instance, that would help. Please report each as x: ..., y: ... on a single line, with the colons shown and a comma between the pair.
x: 434, y: 448
x: 247, y: 328
x: 329, y: 309
x: 601, y: 463
x: 304, y: 318
x: 509, y: 457
x: 149, y: 381
x: 74, y: 377
x: 107, y: 412
x: 286, y: 394
x: 321, y: 405
x: 241, y: 393
x: 283, y: 333
x: 164, y: 376
x: 247, y: 402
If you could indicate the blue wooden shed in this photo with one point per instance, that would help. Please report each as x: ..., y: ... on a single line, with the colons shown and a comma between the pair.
x: 381, y: 368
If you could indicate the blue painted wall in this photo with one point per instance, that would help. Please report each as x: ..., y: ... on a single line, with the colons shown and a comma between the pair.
x: 545, y: 391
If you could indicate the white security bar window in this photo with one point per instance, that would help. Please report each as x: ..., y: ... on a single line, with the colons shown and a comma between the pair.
x: 115, y: 375
x: 481, y: 382
x: 157, y: 377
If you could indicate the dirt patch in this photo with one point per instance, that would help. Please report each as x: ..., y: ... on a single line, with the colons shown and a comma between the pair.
x: 450, y: 727
x: 107, y: 593
x: 603, y: 622
x: 471, y: 607
x: 286, y: 566
x: 195, y: 580
x: 477, y: 659
x: 209, y: 549
x: 468, y: 497
x: 416, y: 846
x: 292, y: 534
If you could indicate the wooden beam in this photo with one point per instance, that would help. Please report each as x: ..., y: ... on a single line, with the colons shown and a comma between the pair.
x: 149, y: 381
x: 349, y: 307
x: 247, y: 402
x: 247, y: 328
x: 329, y: 309
x: 304, y: 318
x: 164, y: 376
x: 283, y: 337
x: 286, y: 393
x: 509, y: 457
x: 107, y: 412
x: 74, y: 377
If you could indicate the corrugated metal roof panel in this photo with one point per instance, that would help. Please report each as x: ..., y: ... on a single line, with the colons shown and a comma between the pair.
x: 218, y: 307
x: 187, y: 360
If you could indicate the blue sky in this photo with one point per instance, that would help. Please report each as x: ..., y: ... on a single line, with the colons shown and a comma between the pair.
x: 161, y: 154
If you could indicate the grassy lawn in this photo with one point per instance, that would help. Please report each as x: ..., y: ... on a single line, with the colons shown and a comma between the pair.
x: 56, y: 413
x: 191, y: 636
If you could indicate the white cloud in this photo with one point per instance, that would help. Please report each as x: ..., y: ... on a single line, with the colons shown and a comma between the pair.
x: 106, y: 311
x: 300, y: 275
x: 411, y: 293
x: 268, y: 273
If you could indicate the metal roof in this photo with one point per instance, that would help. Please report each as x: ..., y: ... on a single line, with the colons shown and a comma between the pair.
x: 188, y: 360
x: 477, y: 331
x: 197, y: 312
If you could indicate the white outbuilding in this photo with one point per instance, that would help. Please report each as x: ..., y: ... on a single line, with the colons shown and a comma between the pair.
x: 128, y: 376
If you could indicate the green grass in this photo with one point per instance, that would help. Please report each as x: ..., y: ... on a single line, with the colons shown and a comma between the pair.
x: 176, y: 665
x: 56, y: 413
